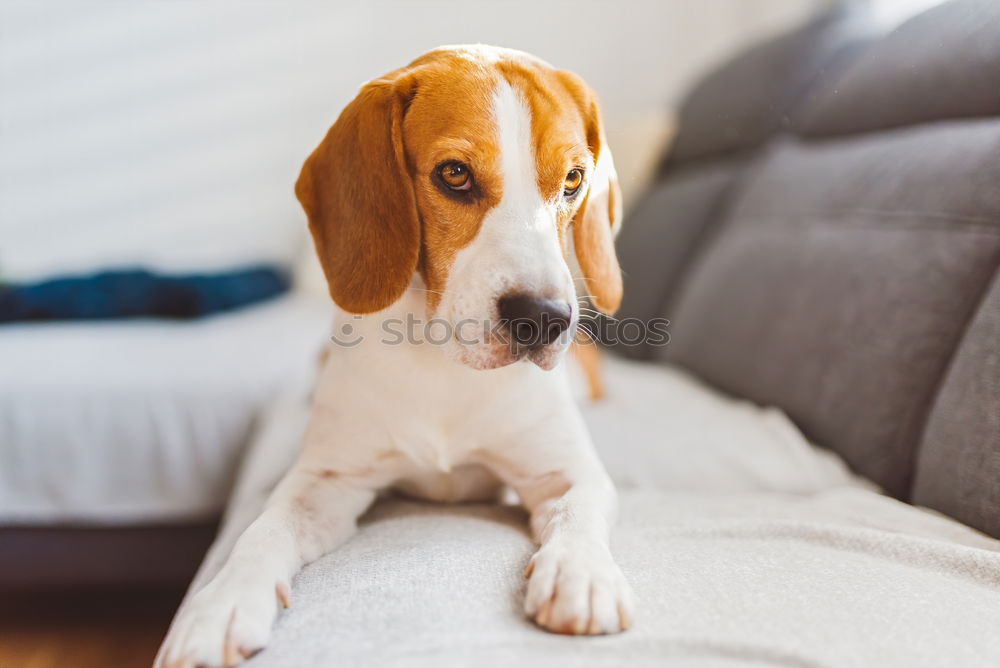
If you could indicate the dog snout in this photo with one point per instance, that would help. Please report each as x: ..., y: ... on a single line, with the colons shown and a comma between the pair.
x: 534, y: 321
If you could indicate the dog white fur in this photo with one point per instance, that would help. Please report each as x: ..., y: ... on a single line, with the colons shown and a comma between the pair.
x: 451, y: 422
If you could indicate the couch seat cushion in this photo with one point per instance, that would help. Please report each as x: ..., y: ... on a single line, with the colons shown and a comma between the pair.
x: 745, y: 544
x: 842, y: 578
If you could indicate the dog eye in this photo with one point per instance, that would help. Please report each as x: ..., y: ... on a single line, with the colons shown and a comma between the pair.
x: 456, y: 175
x: 574, y: 179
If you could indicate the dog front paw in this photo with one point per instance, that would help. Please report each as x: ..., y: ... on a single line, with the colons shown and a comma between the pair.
x: 577, y: 588
x: 226, y: 622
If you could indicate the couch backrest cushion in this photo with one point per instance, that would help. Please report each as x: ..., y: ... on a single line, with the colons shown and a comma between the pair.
x: 942, y: 64
x: 847, y: 277
x: 663, y: 231
x: 733, y: 111
x: 958, y: 470
x: 842, y: 282
x: 748, y: 100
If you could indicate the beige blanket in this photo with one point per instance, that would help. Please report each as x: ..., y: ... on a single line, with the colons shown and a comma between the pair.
x: 752, y: 549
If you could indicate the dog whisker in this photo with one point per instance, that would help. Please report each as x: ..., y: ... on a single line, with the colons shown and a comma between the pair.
x: 435, y: 292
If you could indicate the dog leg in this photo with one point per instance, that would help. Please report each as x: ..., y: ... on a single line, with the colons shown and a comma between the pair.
x: 588, y: 354
x: 574, y: 584
x: 312, y: 510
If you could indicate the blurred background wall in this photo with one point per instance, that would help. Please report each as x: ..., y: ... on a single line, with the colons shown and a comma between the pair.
x: 169, y: 134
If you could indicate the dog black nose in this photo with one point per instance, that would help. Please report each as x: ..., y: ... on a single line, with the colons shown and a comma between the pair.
x: 532, y: 321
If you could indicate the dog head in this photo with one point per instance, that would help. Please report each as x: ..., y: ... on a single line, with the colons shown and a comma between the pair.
x: 482, y: 171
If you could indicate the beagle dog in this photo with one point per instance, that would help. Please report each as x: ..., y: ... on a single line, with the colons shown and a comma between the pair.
x: 457, y: 190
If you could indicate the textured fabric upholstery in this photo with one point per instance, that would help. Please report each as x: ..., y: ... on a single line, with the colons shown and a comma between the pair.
x: 944, y: 63
x: 731, y: 112
x: 749, y: 99
x: 842, y: 282
x: 836, y: 274
x: 663, y: 233
x: 958, y: 471
x: 744, y: 580
x: 746, y: 546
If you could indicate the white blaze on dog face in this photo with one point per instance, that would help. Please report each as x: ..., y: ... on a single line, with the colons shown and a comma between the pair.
x: 518, y: 250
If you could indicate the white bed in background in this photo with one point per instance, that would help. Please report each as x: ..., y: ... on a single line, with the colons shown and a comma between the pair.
x: 138, y: 421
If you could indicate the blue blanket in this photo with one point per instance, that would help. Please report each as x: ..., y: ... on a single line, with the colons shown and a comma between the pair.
x: 139, y: 293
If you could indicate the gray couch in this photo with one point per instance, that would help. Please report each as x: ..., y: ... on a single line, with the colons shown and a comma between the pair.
x: 825, y: 237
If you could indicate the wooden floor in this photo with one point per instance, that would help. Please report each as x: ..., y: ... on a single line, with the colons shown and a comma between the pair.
x: 83, y: 629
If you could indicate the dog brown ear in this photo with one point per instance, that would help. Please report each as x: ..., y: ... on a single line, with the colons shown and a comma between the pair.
x: 360, y: 202
x: 599, y: 217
